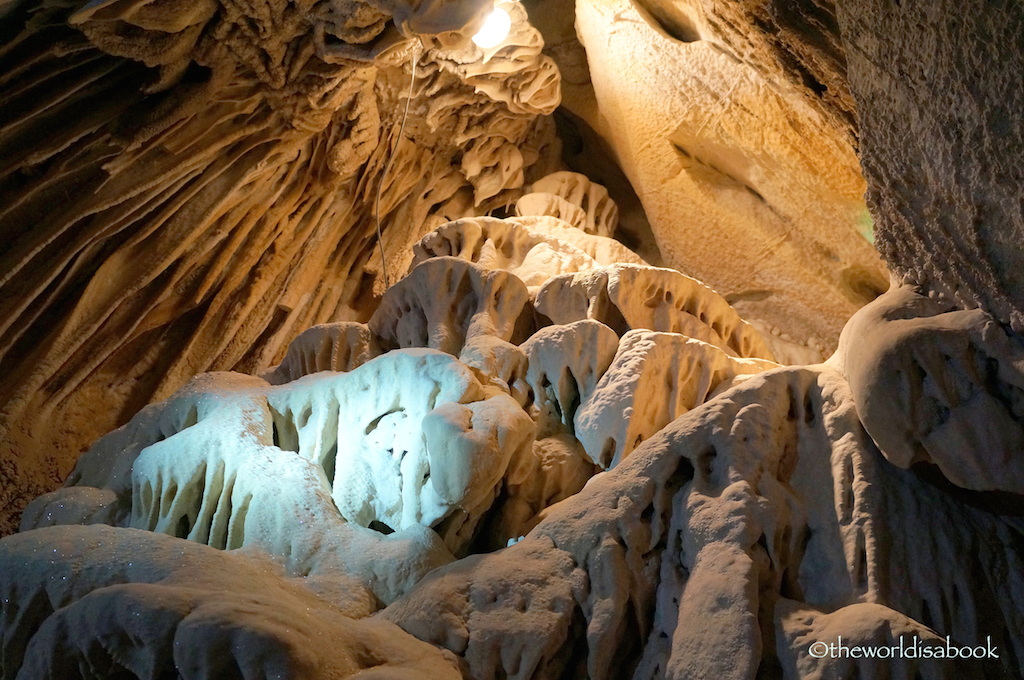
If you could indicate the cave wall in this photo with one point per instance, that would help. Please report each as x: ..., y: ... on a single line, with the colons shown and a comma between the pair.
x: 938, y: 89
x: 187, y: 188
x: 742, y: 154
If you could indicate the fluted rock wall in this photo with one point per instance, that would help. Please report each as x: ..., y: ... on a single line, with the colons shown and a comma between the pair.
x: 186, y: 188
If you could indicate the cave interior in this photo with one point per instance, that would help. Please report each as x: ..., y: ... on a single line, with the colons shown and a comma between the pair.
x: 511, y: 339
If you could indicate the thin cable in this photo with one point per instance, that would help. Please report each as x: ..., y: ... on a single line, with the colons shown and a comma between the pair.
x: 387, y: 167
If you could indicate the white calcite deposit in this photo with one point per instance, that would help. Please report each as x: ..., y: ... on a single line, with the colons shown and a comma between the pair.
x: 601, y: 474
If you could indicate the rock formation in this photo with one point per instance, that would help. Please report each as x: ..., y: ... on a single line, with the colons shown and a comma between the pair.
x: 941, y: 145
x: 504, y: 444
x: 185, y: 189
x: 734, y: 124
x: 659, y: 480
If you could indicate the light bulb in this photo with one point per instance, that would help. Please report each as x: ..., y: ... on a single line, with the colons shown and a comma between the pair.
x: 494, y: 30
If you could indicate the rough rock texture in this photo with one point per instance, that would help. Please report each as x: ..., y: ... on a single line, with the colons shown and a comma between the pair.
x: 358, y: 482
x: 793, y: 42
x: 208, y: 614
x: 566, y: 362
x: 748, y: 521
x: 726, y: 544
x: 187, y: 186
x: 230, y: 462
x: 875, y: 497
x: 747, y: 175
x: 939, y: 95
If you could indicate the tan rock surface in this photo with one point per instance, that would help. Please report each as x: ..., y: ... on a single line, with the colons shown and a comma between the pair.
x: 653, y: 379
x: 445, y: 302
x: 749, y: 185
x: 728, y: 540
x: 627, y: 296
x: 534, y: 248
x: 186, y: 188
x: 206, y: 612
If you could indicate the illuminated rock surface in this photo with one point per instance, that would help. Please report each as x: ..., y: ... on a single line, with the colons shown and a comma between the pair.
x: 535, y: 456
x: 187, y: 187
x: 746, y: 171
x: 752, y: 502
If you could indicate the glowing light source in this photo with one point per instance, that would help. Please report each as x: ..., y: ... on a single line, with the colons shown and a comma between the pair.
x: 495, y: 29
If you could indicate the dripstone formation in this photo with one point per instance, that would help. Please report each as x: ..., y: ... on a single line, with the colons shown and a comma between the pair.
x: 293, y: 385
x: 617, y: 425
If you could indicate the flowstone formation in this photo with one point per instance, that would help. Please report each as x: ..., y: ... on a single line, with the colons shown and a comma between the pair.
x: 539, y: 457
x: 601, y: 474
x: 736, y: 128
x: 185, y: 186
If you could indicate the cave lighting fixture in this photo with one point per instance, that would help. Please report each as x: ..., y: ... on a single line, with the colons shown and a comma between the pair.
x: 495, y: 29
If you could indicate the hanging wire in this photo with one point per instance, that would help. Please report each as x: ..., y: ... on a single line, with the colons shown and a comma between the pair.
x: 387, y: 166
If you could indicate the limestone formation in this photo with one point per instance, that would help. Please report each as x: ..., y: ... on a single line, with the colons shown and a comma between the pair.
x: 939, y: 386
x: 230, y: 462
x: 596, y: 212
x: 357, y: 473
x: 535, y: 456
x: 534, y: 248
x: 501, y: 362
x: 734, y: 125
x: 187, y: 187
x: 653, y: 379
x: 206, y: 614
x: 727, y: 543
x: 740, y: 508
x: 941, y: 89
x: 446, y: 302
x: 625, y: 297
x: 566, y: 363
x: 338, y: 346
